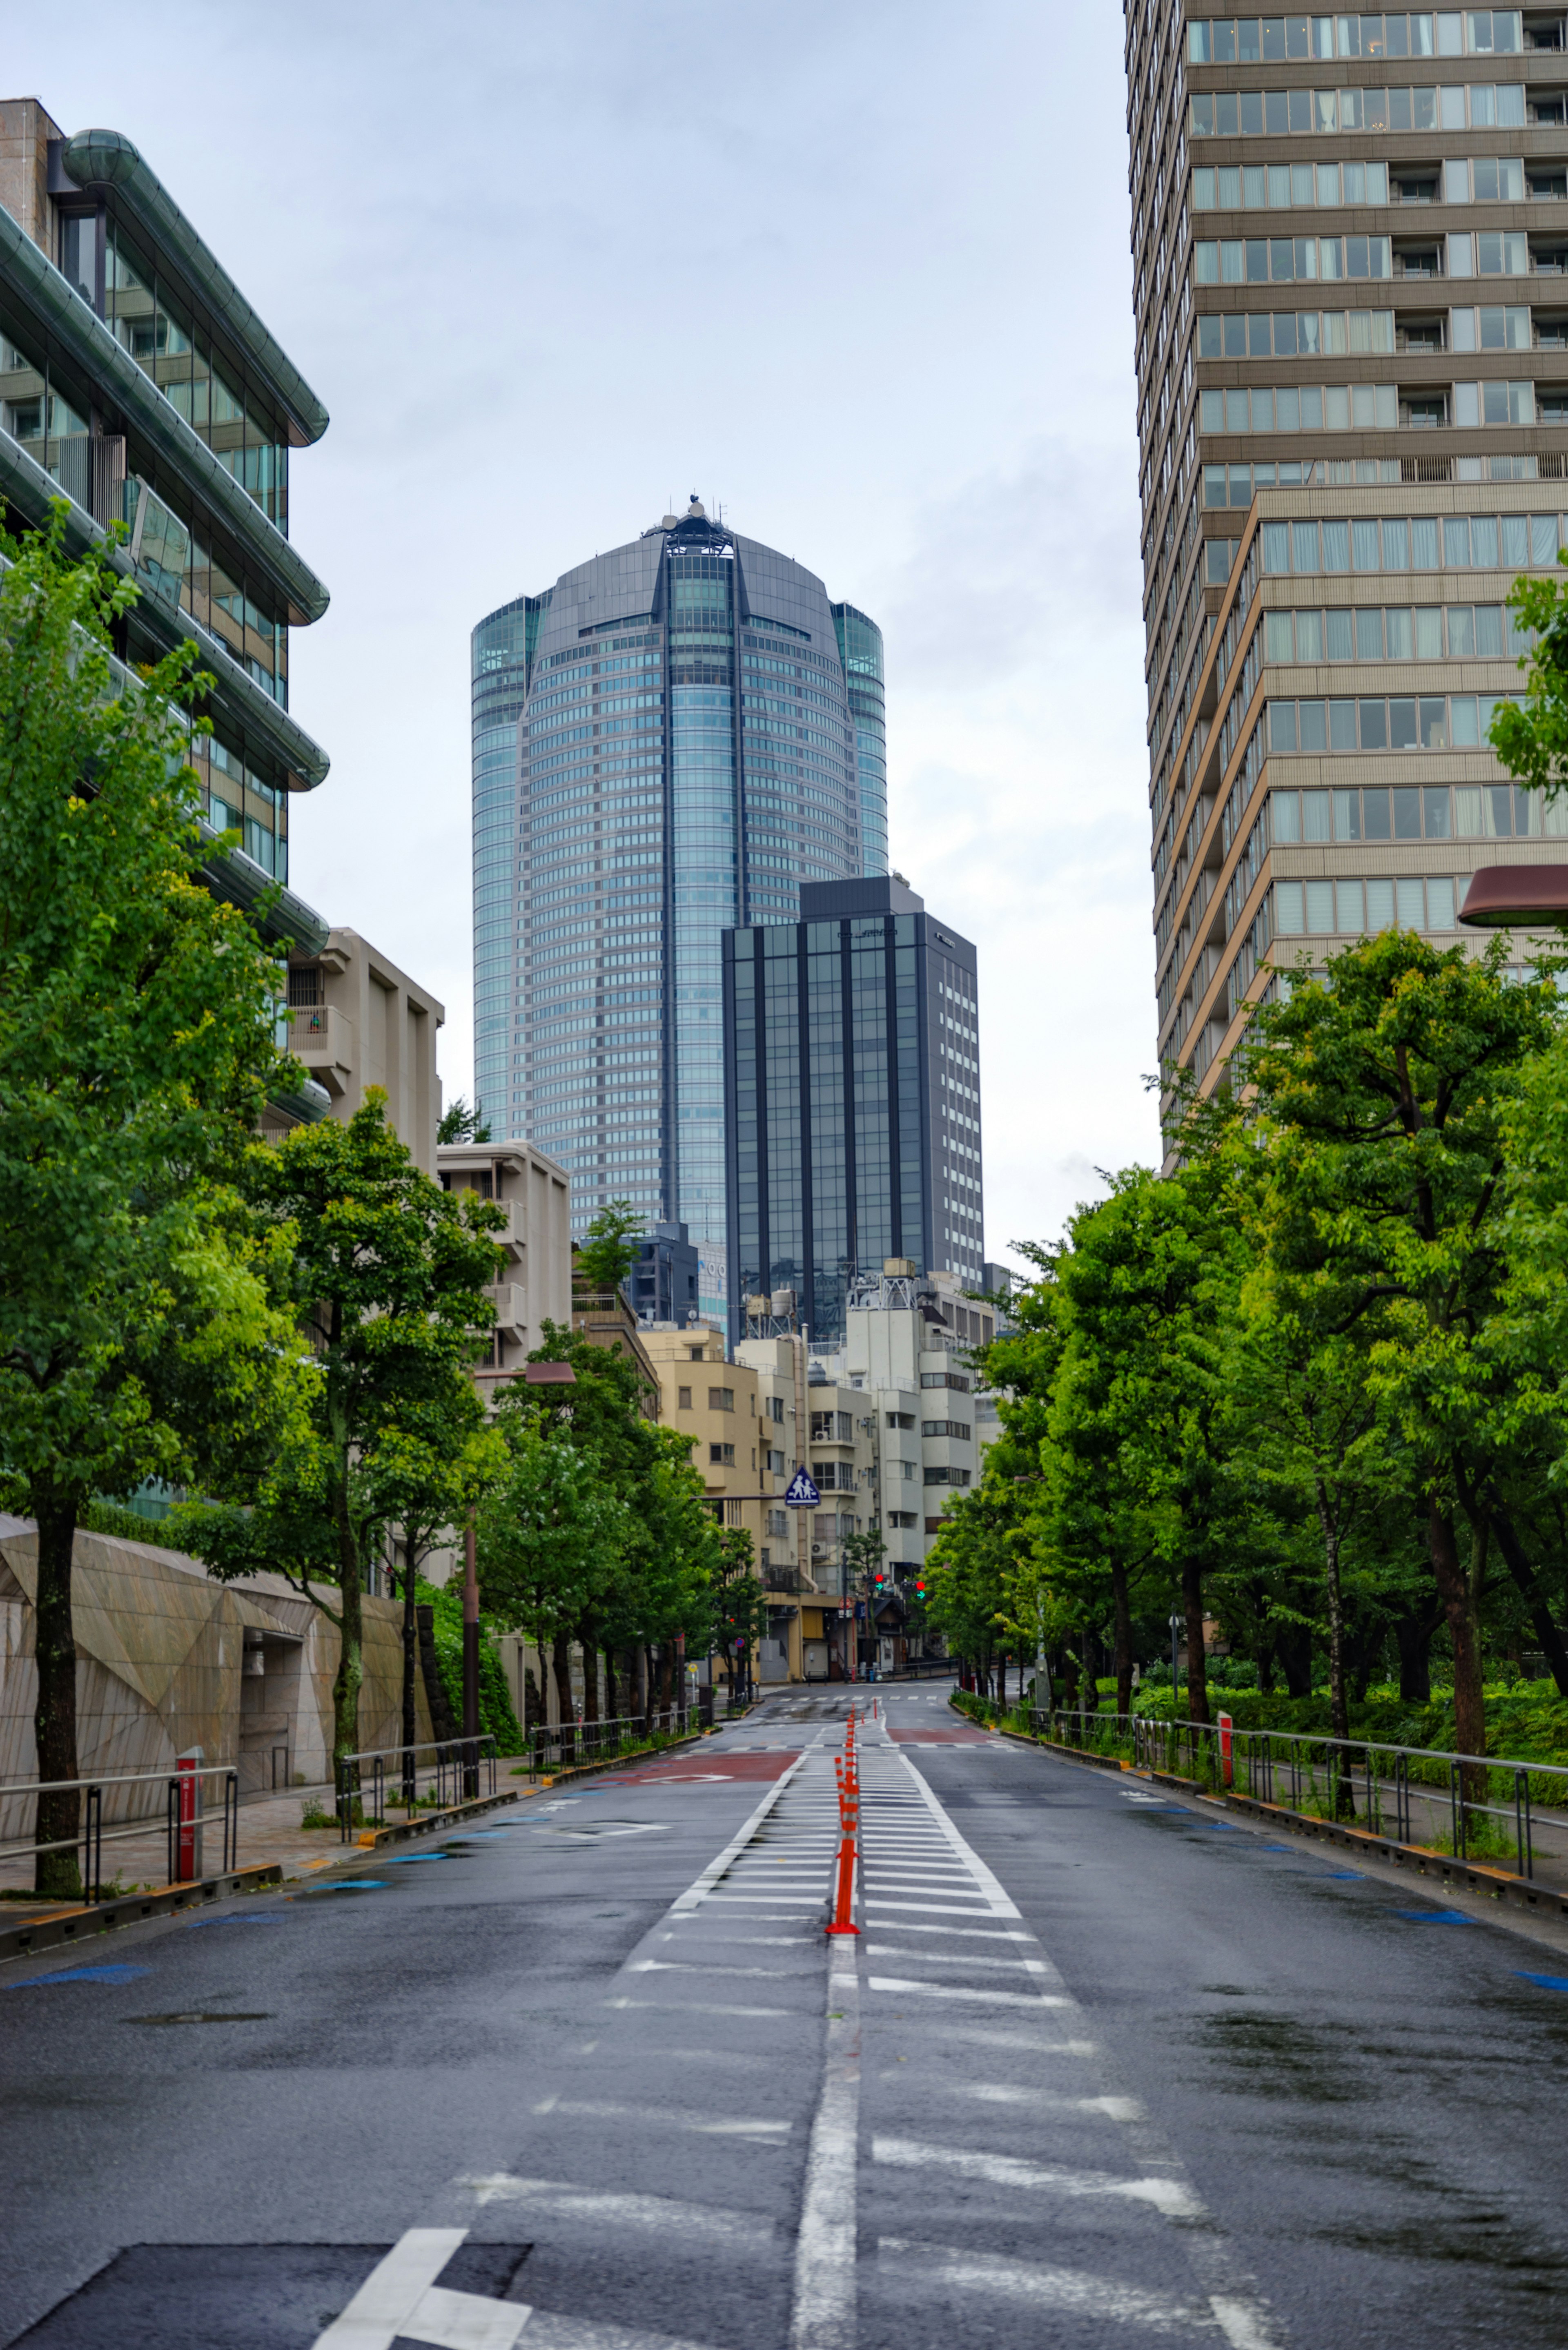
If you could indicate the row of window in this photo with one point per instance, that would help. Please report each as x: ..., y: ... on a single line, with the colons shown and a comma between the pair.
x: 1307, y: 407
x: 1393, y: 632
x: 1401, y: 722
x: 1234, y: 485
x: 1298, y: 334
x: 1415, y: 812
x: 1351, y: 908
x: 1255, y: 187
x: 1270, y: 40
x: 1284, y: 260
x: 1451, y: 105
x: 1510, y: 542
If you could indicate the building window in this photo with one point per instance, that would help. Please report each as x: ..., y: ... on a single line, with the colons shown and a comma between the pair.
x: 732, y: 1513
x: 721, y: 1399
x: 947, y: 1476
x: 683, y: 1400
x: 697, y: 1353
x: 722, y: 1456
x: 775, y: 1409
x: 900, y: 1419
x: 778, y: 1523
x: 901, y: 1518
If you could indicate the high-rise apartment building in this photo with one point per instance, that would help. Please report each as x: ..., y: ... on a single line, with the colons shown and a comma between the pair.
x: 137, y: 382
x: 666, y: 744
x: 1351, y: 291
x: 852, y: 1096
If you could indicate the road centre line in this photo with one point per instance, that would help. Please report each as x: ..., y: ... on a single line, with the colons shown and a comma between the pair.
x: 821, y: 2314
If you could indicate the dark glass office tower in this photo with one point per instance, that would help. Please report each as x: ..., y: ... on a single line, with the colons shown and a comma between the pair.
x: 852, y: 1098
x: 666, y: 744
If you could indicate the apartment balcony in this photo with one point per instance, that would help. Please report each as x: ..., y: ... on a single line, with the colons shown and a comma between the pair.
x: 511, y: 1303
x: 322, y: 1041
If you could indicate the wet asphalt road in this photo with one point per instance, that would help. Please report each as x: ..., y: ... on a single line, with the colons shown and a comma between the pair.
x: 1098, y: 2070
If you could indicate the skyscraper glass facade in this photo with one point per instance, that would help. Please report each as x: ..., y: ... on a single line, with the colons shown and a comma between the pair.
x: 860, y: 650
x: 1353, y: 385
x: 853, y: 1126
x: 664, y: 748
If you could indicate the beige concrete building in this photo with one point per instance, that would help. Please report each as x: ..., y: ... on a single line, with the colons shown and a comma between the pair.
x: 359, y: 1021
x: 535, y: 1283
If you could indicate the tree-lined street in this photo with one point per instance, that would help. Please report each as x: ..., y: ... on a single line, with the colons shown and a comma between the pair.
x: 1104, y: 2065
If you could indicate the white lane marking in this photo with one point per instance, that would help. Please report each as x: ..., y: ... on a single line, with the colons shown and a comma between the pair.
x: 998, y: 2093
x: 748, y: 1941
x: 563, y: 2200
x: 1239, y: 2312
x: 981, y: 2038
x: 701, y: 1966
x: 904, y: 1990
x: 704, y: 1883
x: 684, y: 2007
x: 987, y: 1882
x: 822, y: 2314
x: 957, y: 1959
x: 928, y: 1909
x: 596, y: 2109
x: 1168, y: 2195
x: 400, y: 2299
x: 1063, y: 2288
x: 969, y: 1933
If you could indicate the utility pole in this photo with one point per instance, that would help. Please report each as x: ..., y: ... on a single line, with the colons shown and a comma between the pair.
x: 470, y: 1661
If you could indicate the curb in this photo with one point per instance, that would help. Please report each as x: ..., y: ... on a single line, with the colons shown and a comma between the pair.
x: 1498, y: 1884
x: 68, y: 1925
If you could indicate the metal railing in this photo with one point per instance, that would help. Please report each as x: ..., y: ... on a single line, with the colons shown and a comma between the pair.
x: 557, y: 1745
x: 464, y: 1768
x: 181, y: 1812
x: 1483, y: 1808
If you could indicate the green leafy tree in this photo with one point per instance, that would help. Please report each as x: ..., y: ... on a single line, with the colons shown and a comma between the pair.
x: 611, y: 1246
x: 137, y: 1334
x: 738, y: 1617
x: 461, y: 1124
x: 388, y: 1278
x: 1386, y: 1089
x: 1530, y: 737
x: 551, y: 1531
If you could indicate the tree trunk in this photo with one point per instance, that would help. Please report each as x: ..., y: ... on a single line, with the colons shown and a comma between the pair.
x: 410, y: 1666
x: 56, y: 1874
x: 589, y: 1647
x: 1124, y: 1655
x: 1002, y: 1679
x: 1294, y: 1643
x: 1197, y: 1670
x: 1459, y: 1612
x: 1338, y: 1701
x: 611, y: 1689
x: 1413, y: 1637
x: 1548, y: 1637
x: 561, y: 1664
x: 350, y: 1670
x: 644, y: 1687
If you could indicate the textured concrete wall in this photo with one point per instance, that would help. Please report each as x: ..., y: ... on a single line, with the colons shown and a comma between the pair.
x: 161, y: 1658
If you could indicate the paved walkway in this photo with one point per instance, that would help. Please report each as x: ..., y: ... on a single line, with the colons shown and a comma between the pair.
x: 137, y: 1859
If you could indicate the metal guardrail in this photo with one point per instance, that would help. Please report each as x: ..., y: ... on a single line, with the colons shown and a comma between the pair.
x: 455, y: 1776
x: 182, y: 1812
x: 557, y: 1745
x: 1365, y: 1781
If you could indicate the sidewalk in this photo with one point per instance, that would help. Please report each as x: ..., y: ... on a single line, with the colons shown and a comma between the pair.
x: 269, y: 1832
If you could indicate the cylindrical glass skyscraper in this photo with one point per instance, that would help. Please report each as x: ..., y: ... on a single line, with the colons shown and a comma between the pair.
x: 666, y: 744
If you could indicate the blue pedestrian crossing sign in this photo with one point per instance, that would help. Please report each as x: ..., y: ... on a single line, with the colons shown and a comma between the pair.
x: 802, y: 1494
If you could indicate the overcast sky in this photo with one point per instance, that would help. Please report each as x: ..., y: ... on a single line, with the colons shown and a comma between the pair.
x: 858, y: 273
